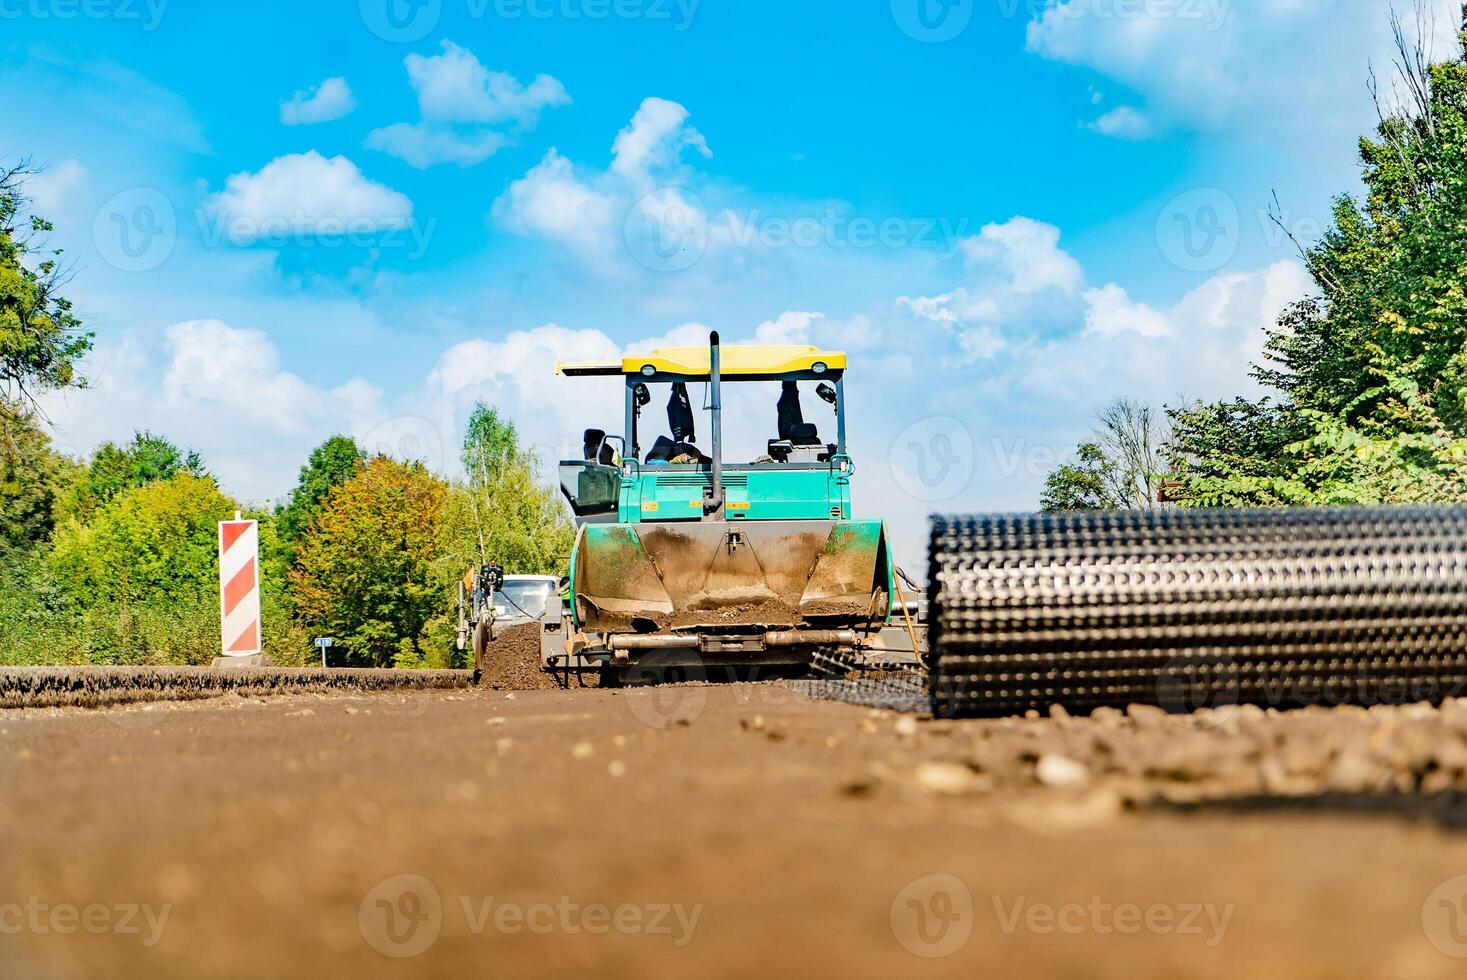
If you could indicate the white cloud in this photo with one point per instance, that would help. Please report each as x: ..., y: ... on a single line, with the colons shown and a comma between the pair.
x: 423, y: 145
x: 1110, y: 312
x: 587, y: 212
x: 656, y: 137
x: 306, y: 194
x: 1122, y: 122
x: 57, y: 193
x: 220, y: 390
x: 1028, y: 252
x: 1016, y: 272
x: 551, y: 202
x: 330, y: 100
x: 1217, y: 63
x: 456, y: 87
x: 458, y: 100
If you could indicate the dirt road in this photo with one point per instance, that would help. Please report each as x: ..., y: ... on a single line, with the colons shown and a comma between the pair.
x: 725, y: 831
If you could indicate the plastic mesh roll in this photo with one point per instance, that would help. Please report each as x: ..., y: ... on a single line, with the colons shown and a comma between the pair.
x: 1187, y: 609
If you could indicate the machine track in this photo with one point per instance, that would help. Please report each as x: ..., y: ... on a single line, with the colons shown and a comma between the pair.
x: 1188, y: 609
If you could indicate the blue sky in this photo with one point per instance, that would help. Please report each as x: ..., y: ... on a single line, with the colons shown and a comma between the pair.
x: 294, y: 219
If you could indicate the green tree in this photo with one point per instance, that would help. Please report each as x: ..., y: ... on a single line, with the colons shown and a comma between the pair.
x: 138, y: 582
x: 41, y: 340
x: 112, y: 469
x: 1369, y: 376
x: 1083, y: 484
x: 365, y: 570
x: 333, y: 462
x: 32, y: 475
x: 153, y: 544
x: 1119, y: 468
x: 502, y: 512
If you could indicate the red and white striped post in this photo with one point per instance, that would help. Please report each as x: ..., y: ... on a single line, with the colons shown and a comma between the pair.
x: 239, y: 590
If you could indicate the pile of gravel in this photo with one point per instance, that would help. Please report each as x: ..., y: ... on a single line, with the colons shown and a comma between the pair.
x: 1144, y: 756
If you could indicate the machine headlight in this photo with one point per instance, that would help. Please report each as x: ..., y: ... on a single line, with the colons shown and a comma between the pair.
x: 648, y: 370
x: 818, y: 367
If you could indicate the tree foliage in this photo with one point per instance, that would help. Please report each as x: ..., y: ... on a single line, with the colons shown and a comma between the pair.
x: 1119, y: 468
x: 112, y: 469
x: 1369, y: 376
x: 32, y: 476
x: 365, y: 570
x: 333, y: 462
x: 152, y: 544
x: 502, y: 513
x: 41, y: 339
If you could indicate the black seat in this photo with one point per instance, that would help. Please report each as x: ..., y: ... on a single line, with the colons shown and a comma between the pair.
x: 664, y: 450
x: 804, y: 434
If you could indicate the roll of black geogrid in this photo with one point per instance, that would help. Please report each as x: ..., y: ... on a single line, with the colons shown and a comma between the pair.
x: 1190, y: 609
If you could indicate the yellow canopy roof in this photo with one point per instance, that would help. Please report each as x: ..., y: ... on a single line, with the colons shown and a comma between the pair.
x: 760, y: 360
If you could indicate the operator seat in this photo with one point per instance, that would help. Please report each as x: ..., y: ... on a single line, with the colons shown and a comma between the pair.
x: 796, y: 436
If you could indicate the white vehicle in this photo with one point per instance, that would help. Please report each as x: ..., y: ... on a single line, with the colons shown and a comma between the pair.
x: 523, y: 598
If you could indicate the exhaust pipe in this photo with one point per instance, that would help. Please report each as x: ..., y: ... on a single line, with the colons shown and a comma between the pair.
x: 713, y: 507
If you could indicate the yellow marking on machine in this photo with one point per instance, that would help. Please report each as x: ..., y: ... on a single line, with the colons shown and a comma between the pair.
x: 693, y: 363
